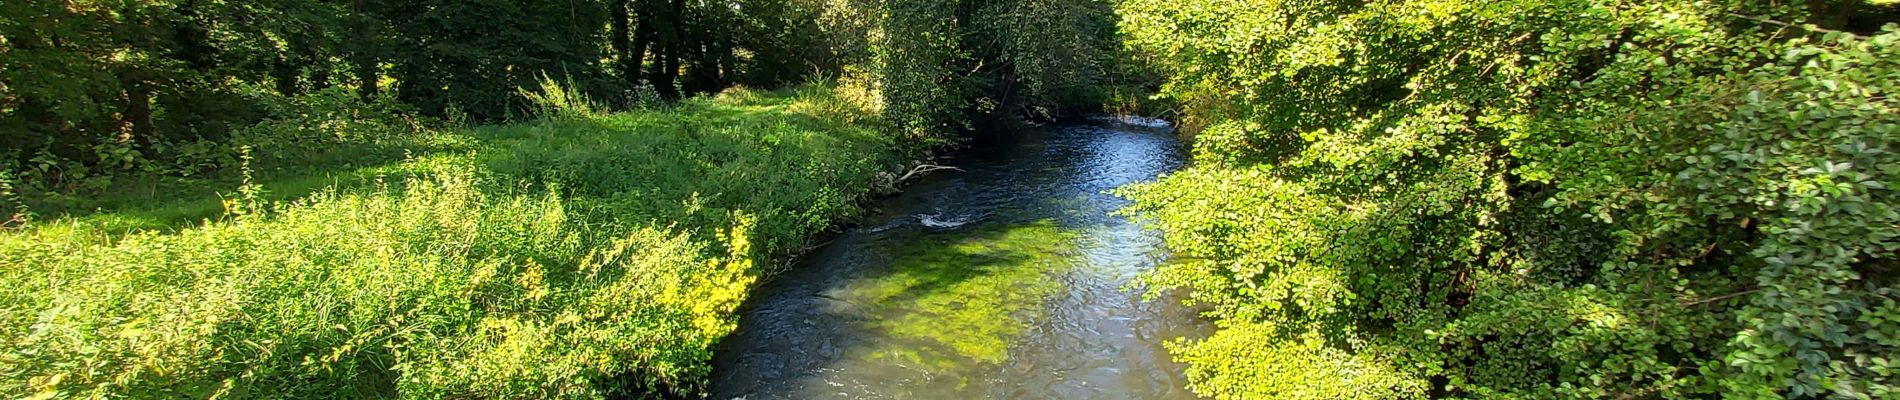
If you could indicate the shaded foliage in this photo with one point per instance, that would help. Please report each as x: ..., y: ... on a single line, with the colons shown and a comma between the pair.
x: 90, y: 89
x: 382, y: 244
x: 945, y: 66
x: 98, y: 89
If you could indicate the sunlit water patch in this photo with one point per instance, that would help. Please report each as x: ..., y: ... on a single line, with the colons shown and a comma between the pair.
x: 960, y: 300
x: 1002, y: 281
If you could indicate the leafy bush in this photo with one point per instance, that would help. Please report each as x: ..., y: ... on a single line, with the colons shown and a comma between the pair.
x: 302, y: 144
x: 554, y: 100
x: 569, y: 258
x: 325, y: 119
x: 1532, y: 198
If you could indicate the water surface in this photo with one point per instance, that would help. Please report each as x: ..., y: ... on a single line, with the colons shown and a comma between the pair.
x: 1004, y: 281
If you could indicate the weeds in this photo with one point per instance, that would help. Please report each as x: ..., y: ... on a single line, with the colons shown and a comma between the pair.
x: 555, y: 100
x: 17, y: 212
x: 593, y: 256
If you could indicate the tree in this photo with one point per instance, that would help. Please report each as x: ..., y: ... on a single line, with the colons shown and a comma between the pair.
x: 1530, y: 199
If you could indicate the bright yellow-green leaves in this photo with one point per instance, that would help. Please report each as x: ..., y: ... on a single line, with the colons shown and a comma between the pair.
x: 589, y: 256
x: 1258, y: 361
x: 1530, y: 198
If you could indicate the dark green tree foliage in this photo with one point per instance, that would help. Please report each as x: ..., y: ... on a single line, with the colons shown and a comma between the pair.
x: 102, y: 88
x: 473, y: 55
x: 1055, y: 55
x: 130, y: 89
x: 946, y: 65
x: 785, y: 43
x: 90, y: 88
x: 919, y: 82
x: 69, y: 75
x: 1534, y: 198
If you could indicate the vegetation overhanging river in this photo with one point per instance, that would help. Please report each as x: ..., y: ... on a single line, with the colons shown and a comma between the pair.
x: 1005, y: 280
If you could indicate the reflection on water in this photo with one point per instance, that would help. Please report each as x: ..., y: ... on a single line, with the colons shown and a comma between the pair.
x: 1000, y: 282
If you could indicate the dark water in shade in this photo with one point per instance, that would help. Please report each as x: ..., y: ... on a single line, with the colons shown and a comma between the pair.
x: 1002, y: 281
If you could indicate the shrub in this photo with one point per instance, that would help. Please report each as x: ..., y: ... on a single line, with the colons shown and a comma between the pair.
x: 554, y: 100
x: 580, y: 257
x: 1531, y: 199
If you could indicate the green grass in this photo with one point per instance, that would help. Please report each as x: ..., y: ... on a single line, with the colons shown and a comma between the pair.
x: 578, y: 257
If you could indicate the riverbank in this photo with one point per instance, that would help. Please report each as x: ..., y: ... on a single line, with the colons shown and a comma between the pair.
x: 582, y: 256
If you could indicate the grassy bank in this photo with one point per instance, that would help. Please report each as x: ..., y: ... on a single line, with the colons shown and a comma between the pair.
x: 574, y: 257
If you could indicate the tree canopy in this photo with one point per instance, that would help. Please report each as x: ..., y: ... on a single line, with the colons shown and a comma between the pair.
x: 1533, y: 198
x: 1390, y: 198
x: 95, y: 88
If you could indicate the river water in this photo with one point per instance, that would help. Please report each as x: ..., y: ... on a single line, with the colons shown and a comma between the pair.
x: 1005, y: 280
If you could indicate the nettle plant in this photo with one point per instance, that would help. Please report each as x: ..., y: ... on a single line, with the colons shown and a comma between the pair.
x: 1531, y: 198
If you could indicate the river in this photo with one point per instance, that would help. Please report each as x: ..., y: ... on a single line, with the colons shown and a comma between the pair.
x: 1004, y: 280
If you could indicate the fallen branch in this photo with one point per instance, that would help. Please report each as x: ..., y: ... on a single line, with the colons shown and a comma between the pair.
x: 808, y: 249
x: 922, y: 169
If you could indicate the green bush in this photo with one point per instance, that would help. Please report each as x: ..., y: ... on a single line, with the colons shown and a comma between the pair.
x: 1533, y: 198
x: 580, y: 257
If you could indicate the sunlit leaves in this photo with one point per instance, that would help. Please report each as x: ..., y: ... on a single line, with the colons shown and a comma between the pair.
x: 1462, y: 166
x: 598, y: 255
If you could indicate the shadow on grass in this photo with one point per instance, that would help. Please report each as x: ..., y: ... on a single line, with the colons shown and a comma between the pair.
x: 656, y: 163
x: 170, y: 203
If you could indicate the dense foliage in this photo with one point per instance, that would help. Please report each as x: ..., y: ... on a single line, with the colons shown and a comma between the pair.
x: 207, y: 198
x: 1391, y: 199
x: 95, y: 89
x: 946, y: 66
x: 1533, y: 198
x: 578, y: 257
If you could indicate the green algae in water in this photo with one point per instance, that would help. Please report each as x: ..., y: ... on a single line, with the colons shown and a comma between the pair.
x: 961, y: 298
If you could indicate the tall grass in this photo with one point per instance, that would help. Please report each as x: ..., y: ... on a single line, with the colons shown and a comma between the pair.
x: 557, y: 100
x: 579, y: 257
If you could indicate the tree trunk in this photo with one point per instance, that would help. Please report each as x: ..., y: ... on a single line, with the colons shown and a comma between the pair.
x: 368, y: 75
x: 642, y: 36
x: 670, y: 29
x: 363, y: 61
x: 728, y: 62
x: 617, y: 38
x: 695, y: 30
x: 137, y: 117
x: 320, y: 77
x: 286, y: 74
x: 696, y: 76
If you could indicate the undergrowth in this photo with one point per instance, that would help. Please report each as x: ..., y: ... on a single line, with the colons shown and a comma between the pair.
x: 586, y: 256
